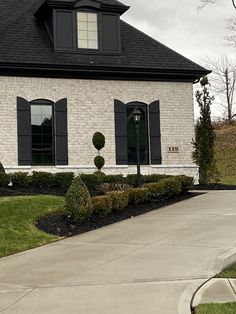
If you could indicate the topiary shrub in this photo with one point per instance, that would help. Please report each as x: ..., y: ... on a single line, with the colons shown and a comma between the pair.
x: 99, y: 162
x: 138, y: 195
x: 4, y: 179
x: 78, y: 204
x: 98, y: 140
x: 2, y: 170
x: 20, y: 179
x: 120, y: 200
x: 102, y: 205
x: 42, y: 179
x: 64, y: 179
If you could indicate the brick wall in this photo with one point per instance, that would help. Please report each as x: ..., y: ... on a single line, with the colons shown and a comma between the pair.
x: 91, y: 109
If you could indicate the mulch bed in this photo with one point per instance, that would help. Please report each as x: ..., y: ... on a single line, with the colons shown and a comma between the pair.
x: 217, y: 186
x: 59, y: 224
x: 19, y: 191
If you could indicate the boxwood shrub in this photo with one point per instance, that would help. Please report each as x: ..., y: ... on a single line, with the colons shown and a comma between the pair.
x: 164, y: 189
x: 63, y: 179
x: 102, y: 205
x: 20, y: 179
x: 120, y: 199
x: 186, y: 183
x: 42, y: 179
x: 138, y: 195
x: 4, y: 179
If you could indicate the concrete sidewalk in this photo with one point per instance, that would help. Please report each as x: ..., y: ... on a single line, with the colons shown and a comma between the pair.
x: 216, y: 290
x: 149, y: 264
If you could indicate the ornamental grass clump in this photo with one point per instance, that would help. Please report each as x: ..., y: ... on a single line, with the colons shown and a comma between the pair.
x: 78, y: 204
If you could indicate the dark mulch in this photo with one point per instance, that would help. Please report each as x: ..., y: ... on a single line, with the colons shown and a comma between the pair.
x: 59, y: 224
x: 215, y: 186
x: 20, y: 191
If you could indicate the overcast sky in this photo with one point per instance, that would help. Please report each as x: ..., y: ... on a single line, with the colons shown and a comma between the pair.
x: 180, y: 25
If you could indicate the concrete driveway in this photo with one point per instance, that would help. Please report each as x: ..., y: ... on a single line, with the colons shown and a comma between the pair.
x: 142, y: 265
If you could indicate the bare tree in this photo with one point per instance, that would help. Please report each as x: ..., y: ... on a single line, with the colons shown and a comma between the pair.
x: 205, y: 2
x: 231, y: 31
x: 230, y: 22
x: 223, y: 80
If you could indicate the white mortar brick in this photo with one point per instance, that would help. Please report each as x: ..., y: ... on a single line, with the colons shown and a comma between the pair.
x: 91, y: 109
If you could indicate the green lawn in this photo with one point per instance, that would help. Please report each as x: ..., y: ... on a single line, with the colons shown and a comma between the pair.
x: 228, y: 273
x: 225, y: 149
x: 226, y: 308
x: 17, y: 216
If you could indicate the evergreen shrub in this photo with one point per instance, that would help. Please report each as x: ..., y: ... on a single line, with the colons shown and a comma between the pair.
x: 78, y: 204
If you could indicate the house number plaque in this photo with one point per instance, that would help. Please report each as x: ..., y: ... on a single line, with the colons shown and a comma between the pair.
x: 173, y: 149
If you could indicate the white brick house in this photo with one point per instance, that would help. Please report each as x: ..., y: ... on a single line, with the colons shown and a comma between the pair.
x: 71, y: 68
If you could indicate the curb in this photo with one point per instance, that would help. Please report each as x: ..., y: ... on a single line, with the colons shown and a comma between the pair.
x: 187, y: 298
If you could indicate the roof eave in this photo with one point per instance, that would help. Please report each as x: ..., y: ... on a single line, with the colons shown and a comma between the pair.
x: 101, y: 72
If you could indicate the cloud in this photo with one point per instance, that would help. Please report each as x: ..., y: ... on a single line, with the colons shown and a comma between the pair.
x: 182, y: 26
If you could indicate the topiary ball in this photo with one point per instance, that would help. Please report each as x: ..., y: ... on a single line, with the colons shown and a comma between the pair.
x: 98, y: 140
x: 78, y: 202
x: 99, y: 162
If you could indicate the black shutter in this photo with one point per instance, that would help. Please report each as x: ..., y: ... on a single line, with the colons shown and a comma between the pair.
x: 110, y: 30
x: 24, y: 132
x: 121, y: 133
x: 61, y: 142
x: 155, y: 132
x: 64, y: 30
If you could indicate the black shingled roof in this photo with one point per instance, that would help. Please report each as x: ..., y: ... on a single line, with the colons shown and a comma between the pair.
x: 25, y: 43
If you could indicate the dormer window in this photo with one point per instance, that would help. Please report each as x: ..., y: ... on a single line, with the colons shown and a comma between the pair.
x: 87, y: 30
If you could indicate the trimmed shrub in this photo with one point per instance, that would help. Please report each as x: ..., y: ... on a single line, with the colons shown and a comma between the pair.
x: 64, y: 179
x: 2, y: 170
x: 99, y: 162
x: 138, y: 195
x: 20, y: 179
x: 120, y: 200
x: 102, y: 205
x: 42, y: 179
x: 164, y: 189
x: 186, y: 183
x: 78, y: 203
x: 98, y: 140
x: 4, y: 179
x: 154, y: 178
x: 91, y: 180
x: 116, y: 178
x: 131, y: 179
x: 99, y: 173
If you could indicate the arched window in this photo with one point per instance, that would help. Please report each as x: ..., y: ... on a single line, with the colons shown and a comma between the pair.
x: 42, y: 132
x: 143, y: 134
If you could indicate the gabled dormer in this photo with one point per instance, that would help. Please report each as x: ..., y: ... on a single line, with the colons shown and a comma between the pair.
x: 83, y: 26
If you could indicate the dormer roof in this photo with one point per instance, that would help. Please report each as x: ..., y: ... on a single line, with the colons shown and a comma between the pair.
x: 27, y: 49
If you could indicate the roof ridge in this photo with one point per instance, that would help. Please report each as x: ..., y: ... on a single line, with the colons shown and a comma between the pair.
x: 155, y: 41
